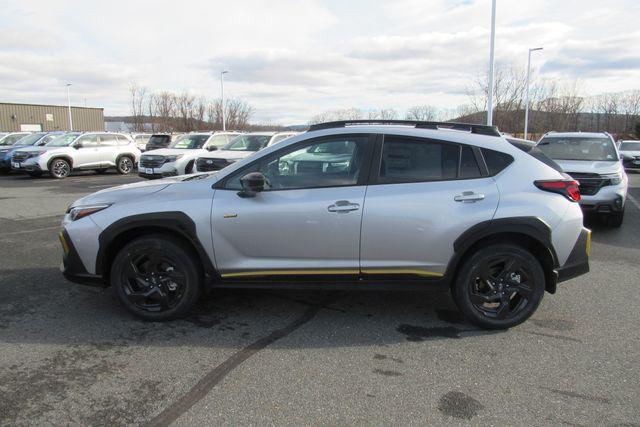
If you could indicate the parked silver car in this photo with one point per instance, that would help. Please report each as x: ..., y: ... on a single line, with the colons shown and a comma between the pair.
x: 592, y: 159
x: 358, y: 205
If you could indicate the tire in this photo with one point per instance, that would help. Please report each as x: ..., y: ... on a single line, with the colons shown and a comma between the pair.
x: 189, y: 168
x: 615, y: 219
x: 59, y: 168
x: 5, y: 171
x: 511, y: 294
x: 165, y: 283
x: 36, y: 174
x: 101, y: 171
x: 125, y: 165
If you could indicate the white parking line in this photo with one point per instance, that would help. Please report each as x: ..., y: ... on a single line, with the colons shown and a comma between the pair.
x: 633, y: 200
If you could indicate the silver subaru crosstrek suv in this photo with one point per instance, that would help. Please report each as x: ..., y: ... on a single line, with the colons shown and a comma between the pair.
x: 364, y: 205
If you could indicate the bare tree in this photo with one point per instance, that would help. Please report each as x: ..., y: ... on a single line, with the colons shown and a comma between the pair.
x: 138, y: 98
x: 422, y: 112
x: 340, y: 114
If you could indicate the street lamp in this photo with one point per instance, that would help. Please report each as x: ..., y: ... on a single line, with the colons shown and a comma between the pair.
x: 69, y: 106
x: 491, y: 61
x: 224, y: 127
x: 526, y: 94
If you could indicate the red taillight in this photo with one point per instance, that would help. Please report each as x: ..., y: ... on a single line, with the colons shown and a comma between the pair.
x: 567, y: 187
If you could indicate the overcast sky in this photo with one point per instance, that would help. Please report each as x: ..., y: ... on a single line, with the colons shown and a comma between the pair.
x: 291, y: 59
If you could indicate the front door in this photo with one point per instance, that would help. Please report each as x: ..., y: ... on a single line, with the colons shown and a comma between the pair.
x: 88, y: 154
x: 426, y: 193
x: 306, y: 221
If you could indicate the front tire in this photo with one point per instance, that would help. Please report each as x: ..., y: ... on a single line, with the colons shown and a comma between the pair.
x: 499, y: 286
x: 125, y: 165
x: 60, y: 168
x: 156, y: 278
x: 615, y: 219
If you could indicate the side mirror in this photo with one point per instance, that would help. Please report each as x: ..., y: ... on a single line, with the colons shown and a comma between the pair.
x: 212, y: 148
x: 77, y: 145
x: 252, y: 183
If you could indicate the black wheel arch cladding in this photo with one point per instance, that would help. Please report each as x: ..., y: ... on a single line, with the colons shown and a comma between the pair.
x: 118, y: 234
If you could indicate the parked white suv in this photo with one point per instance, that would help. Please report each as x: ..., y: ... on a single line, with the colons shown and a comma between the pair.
x: 180, y: 157
x: 630, y: 153
x: 241, y: 147
x: 77, y: 151
x: 593, y: 160
x: 352, y: 205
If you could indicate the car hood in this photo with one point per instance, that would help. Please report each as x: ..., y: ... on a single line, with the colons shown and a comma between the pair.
x: 633, y: 153
x: 227, y: 154
x: 127, y: 191
x: 589, y: 167
x: 172, y: 151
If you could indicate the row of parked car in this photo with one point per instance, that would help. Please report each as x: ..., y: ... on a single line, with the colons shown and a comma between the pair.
x: 60, y: 153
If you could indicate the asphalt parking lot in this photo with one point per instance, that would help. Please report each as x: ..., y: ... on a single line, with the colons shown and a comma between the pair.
x: 72, y: 355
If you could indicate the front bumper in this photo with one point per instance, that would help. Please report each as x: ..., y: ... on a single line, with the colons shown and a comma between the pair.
x: 578, y: 262
x: 72, y: 267
x: 164, y: 171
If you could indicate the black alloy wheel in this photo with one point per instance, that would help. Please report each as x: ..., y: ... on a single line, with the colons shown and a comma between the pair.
x: 156, y: 278
x: 499, y: 286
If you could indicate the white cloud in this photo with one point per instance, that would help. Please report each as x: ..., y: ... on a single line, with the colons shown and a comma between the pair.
x: 292, y: 59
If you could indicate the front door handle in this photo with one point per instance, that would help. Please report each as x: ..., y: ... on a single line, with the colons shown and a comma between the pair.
x: 343, y: 206
x: 469, y: 197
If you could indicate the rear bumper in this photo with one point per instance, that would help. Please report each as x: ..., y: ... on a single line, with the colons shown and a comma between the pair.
x: 72, y: 268
x: 578, y: 262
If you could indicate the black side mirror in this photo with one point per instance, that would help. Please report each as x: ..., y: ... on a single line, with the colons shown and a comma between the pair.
x: 77, y: 145
x: 212, y: 148
x: 252, y: 183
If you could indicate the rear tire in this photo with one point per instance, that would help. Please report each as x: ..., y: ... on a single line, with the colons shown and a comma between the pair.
x: 125, y: 165
x: 499, y: 286
x: 155, y: 277
x: 59, y: 168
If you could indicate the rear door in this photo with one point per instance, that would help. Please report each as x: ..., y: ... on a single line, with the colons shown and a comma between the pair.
x: 306, y: 222
x: 423, y: 195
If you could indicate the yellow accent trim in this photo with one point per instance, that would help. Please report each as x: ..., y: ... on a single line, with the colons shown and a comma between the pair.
x: 289, y: 273
x: 63, y: 242
x: 422, y: 273
x: 588, y: 243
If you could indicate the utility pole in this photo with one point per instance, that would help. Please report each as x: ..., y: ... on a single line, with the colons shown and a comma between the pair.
x: 526, y: 93
x: 69, y: 106
x: 224, y: 126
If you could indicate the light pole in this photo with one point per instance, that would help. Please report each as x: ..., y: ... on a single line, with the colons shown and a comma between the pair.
x: 526, y: 93
x: 491, y: 61
x: 69, y: 106
x: 224, y: 126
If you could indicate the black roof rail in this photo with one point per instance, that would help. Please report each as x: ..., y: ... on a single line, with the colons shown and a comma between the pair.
x: 467, y: 127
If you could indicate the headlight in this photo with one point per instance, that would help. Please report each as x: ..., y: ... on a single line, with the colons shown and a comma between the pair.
x: 78, y: 212
x: 170, y: 159
x: 614, y: 178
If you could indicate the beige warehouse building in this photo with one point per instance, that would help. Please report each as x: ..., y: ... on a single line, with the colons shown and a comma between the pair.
x: 34, y: 117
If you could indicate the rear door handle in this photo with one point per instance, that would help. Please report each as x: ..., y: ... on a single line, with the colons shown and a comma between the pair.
x: 469, y: 197
x: 343, y: 206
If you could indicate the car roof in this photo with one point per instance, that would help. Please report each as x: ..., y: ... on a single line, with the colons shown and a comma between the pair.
x: 577, y: 134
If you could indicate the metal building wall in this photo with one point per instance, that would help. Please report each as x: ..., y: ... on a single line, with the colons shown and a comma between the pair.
x: 50, y: 117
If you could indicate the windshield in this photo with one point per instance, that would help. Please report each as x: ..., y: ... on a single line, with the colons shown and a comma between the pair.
x: 159, y: 139
x: 30, y: 139
x: 248, y: 143
x: 630, y: 146
x: 11, y: 139
x: 190, y: 142
x: 578, y: 148
x: 64, y: 140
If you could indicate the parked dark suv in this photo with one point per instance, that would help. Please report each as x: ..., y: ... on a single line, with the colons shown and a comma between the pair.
x: 158, y: 140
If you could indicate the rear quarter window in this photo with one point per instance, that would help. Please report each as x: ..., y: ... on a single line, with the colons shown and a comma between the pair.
x: 496, y: 161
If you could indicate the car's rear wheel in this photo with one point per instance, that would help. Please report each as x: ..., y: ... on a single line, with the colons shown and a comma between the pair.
x: 59, y: 168
x: 125, y: 165
x: 156, y: 278
x: 499, y: 286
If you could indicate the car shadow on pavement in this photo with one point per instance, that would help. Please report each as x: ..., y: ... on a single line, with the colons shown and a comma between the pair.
x: 39, y: 306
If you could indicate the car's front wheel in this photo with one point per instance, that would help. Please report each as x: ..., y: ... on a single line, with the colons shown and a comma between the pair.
x: 615, y: 219
x: 125, y: 165
x: 156, y: 278
x: 499, y: 286
x: 60, y: 168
